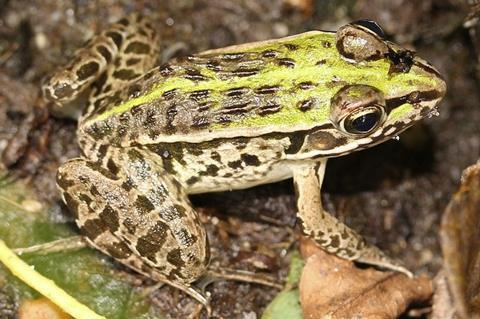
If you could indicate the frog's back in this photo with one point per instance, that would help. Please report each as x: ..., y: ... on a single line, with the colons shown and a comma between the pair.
x: 244, y: 90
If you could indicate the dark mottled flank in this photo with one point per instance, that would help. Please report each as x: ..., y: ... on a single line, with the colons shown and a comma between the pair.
x: 185, y: 238
x: 85, y: 198
x: 153, y: 241
x: 110, y: 218
x: 250, y: 160
x: 92, y: 228
x: 215, y: 156
x: 71, y: 203
x: 143, y: 205
x: 174, y: 257
x: 118, y: 250
x: 334, y: 241
x: 192, y: 180
x: 296, y: 143
x: 235, y: 164
x: 212, y: 170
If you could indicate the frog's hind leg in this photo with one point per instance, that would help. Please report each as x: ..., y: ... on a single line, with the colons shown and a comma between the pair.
x: 108, y: 62
x: 134, y: 211
x: 328, y: 232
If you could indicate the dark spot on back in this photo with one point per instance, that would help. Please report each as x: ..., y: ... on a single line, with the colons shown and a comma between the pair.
x: 306, y: 85
x: 306, y: 105
x: 291, y: 46
x: 267, y: 89
x: 116, y: 37
x: 132, y: 61
x: 289, y: 63
x: 269, y: 54
x: 87, y: 70
x: 112, y: 167
x: 194, y: 75
x: 124, y: 21
x: 326, y: 44
x: 213, y: 65
x: 137, y: 47
x: 125, y: 74
x: 232, y: 56
x: 198, y: 95
x: 236, y: 92
x: 105, y: 53
x: 244, y: 72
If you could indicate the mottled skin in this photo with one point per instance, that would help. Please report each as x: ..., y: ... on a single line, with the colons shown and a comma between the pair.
x: 226, y: 119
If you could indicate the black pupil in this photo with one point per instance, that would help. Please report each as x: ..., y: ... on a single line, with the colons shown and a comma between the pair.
x: 372, y: 26
x: 365, y: 122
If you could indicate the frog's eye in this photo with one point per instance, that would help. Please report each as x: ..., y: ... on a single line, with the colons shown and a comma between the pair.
x: 363, y: 121
x: 361, y: 41
x: 372, y: 26
x: 358, y: 109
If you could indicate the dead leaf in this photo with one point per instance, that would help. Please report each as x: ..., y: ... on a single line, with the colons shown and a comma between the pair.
x: 460, y: 240
x: 331, y: 287
x: 41, y: 309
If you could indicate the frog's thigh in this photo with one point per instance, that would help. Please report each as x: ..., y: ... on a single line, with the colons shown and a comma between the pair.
x: 328, y: 232
x: 138, y: 214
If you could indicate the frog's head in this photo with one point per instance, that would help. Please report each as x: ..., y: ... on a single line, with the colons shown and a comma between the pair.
x: 391, y: 90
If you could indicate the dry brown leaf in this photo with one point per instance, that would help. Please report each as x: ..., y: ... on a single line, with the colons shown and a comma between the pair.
x: 41, y: 309
x: 460, y: 240
x: 335, y: 288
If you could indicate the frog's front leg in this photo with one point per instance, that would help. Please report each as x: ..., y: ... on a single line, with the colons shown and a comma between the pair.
x: 133, y: 210
x: 328, y: 232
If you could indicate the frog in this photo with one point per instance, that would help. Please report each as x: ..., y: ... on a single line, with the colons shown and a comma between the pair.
x: 221, y: 120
